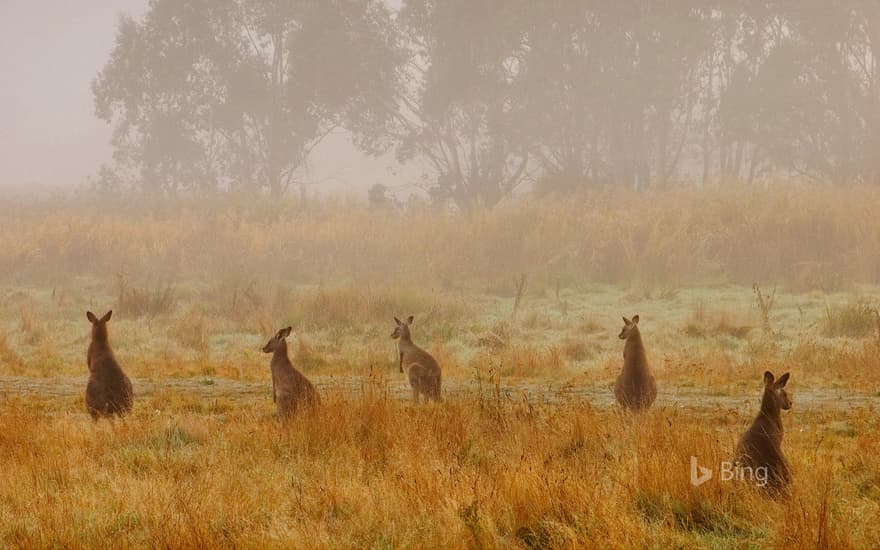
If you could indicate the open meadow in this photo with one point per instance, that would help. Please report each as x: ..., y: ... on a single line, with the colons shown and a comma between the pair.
x: 520, y: 305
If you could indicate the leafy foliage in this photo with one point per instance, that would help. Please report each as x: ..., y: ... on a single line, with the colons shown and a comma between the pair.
x: 237, y: 93
x: 492, y: 95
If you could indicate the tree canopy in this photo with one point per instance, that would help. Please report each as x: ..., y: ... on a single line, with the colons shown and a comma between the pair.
x: 236, y: 93
x: 492, y: 95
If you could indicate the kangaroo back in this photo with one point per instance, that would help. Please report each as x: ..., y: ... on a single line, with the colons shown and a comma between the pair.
x: 108, y: 391
x: 635, y: 387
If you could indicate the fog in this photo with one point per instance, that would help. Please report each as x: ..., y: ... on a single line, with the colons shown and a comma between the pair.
x: 50, y: 51
x: 469, y: 102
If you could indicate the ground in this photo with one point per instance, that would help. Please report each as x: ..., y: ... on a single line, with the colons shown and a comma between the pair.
x: 527, y: 449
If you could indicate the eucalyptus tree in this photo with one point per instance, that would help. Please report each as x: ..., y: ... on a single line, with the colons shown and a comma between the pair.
x: 459, y: 110
x: 237, y: 93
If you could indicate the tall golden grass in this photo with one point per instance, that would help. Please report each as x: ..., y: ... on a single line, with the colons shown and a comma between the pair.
x: 526, y: 450
x: 366, y: 471
x: 802, y: 235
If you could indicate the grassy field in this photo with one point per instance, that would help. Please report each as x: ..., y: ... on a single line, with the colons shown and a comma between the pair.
x: 527, y: 450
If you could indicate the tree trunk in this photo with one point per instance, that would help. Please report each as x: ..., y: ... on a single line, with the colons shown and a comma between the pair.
x: 276, y: 83
x: 873, y: 26
x: 662, y: 146
x: 707, y: 129
x: 754, y: 160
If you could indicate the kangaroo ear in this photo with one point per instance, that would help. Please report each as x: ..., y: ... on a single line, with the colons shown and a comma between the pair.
x: 396, y: 320
x: 768, y: 377
x: 285, y: 332
x: 783, y: 380
x: 635, y: 319
x: 106, y: 316
x: 409, y: 320
x: 626, y: 321
x: 91, y: 317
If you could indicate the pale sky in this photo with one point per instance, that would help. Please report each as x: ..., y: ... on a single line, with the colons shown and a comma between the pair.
x: 50, y: 50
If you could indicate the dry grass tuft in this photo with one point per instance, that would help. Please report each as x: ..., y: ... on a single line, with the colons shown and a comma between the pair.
x: 136, y: 302
x: 705, y: 324
x: 524, y: 360
x: 8, y: 357
x: 191, y: 331
x: 33, y: 329
x: 306, y: 356
x: 855, y: 320
x: 498, y: 337
x: 578, y: 350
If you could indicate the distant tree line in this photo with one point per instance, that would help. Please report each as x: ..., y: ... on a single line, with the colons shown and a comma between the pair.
x: 492, y: 94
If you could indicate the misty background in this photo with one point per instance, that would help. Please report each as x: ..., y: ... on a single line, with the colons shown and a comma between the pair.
x: 50, y: 138
x: 49, y: 52
x: 469, y: 101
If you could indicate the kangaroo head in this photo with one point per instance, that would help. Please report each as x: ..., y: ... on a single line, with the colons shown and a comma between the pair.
x: 99, y: 326
x: 629, y: 327
x: 277, y: 340
x: 402, y: 328
x: 775, y: 390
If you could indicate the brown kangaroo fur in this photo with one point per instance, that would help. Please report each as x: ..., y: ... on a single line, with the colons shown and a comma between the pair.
x: 108, y: 391
x: 290, y: 389
x: 635, y: 387
x: 761, y: 445
x: 424, y: 372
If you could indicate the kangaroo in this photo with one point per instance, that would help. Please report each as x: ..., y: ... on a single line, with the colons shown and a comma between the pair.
x: 424, y: 372
x: 108, y: 391
x: 761, y: 445
x: 635, y: 387
x: 290, y: 389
